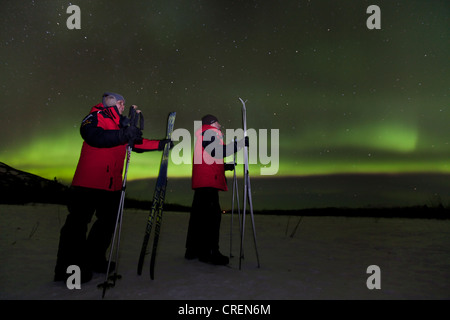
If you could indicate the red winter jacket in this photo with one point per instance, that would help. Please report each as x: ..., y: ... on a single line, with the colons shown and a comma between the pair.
x: 208, y: 171
x: 103, y: 153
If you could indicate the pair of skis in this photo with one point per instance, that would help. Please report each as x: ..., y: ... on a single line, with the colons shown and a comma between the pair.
x: 247, y: 196
x: 156, y: 210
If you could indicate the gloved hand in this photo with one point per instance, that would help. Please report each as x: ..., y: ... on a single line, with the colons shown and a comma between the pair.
x: 229, y: 166
x: 130, y: 134
x: 124, y: 122
x: 163, y: 142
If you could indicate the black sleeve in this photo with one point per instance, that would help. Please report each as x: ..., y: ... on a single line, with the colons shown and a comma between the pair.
x: 227, y: 150
x: 98, y: 137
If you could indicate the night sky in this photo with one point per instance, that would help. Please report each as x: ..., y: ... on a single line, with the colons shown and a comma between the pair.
x: 345, y: 99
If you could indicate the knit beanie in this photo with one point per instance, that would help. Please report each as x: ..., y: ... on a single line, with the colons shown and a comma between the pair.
x: 112, y: 94
x: 209, y: 119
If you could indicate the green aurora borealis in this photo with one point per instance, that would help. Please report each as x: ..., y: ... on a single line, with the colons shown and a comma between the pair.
x: 346, y: 99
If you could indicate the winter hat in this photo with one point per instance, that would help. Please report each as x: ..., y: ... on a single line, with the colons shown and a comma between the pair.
x: 209, y: 119
x: 114, y: 95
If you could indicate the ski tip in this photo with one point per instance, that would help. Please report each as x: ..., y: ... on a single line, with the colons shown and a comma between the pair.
x: 140, y: 265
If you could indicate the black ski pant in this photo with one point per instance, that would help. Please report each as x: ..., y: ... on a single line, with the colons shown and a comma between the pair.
x: 74, y: 247
x: 204, y: 222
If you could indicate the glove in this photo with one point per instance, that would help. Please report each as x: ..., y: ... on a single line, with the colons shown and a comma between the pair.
x: 246, y: 143
x: 163, y: 142
x: 130, y: 134
x: 229, y: 166
x: 124, y: 122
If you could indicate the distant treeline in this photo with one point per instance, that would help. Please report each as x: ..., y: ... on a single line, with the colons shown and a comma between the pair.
x: 19, y: 187
x: 420, y: 212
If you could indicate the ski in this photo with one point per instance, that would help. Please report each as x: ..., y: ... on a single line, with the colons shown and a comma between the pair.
x: 247, y: 192
x: 156, y: 210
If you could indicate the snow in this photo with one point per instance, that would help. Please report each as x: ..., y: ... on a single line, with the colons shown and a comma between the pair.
x: 326, y: 258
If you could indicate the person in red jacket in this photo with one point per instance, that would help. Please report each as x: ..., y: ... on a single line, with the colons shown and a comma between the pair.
x: 208, y: 178
x: 96, y: 187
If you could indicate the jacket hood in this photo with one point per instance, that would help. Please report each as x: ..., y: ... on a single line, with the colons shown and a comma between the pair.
x: 112, y: 111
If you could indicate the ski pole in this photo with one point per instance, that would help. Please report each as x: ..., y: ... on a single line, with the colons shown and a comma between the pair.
x: 118, y: 227
x: 235, y: 195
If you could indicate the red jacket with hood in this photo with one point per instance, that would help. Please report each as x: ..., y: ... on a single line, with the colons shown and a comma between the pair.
x: 103, y: 153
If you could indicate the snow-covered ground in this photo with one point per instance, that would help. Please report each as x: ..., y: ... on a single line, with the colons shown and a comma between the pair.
x: 324, y: 258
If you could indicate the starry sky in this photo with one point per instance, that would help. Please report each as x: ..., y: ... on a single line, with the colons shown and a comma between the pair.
x: 345, y: 99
